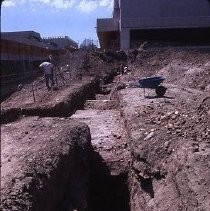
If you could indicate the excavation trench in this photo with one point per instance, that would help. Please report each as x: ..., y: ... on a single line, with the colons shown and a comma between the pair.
x: 109, y: 162
x: 106, y: 191
x: 61, y: 103
x: 93, y: 177
x: 49, y: 162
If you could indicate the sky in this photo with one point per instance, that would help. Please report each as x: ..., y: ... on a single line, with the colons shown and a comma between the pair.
x: 50, y: 18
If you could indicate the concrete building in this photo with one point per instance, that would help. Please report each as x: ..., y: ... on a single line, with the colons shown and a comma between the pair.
x: 23, y: 45
x: 138, y: 20
x: 61, y: 42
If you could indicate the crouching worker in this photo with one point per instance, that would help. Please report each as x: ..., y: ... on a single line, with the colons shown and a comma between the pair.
x: 48, y: 73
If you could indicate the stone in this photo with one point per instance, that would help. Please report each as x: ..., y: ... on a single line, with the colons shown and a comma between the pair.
x: 149, y: 136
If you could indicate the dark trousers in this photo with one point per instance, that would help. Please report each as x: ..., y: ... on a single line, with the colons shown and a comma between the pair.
x: 48, y: 78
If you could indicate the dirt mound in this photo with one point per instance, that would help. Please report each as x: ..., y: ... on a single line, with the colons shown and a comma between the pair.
x: 169, y: 136
x: 40, y: 164
x: 170, y: 149
x: 183, y: 67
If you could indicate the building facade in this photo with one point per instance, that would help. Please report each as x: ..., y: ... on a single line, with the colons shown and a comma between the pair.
x: 22, y: 46
x: 140, y: 20
x: 61, y: 42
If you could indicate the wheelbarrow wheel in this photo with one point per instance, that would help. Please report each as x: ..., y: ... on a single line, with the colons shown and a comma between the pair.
x: 160, y: 91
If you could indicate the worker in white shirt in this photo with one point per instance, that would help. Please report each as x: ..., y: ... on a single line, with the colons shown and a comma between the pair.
x: 48, y: 73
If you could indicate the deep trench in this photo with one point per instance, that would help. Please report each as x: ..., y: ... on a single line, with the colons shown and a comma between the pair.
x: 106, y: 192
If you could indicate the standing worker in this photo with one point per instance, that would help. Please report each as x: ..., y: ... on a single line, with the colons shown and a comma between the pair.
x: 48, y: 73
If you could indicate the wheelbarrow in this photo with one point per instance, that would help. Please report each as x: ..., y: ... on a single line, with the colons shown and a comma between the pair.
x: 153, y: 83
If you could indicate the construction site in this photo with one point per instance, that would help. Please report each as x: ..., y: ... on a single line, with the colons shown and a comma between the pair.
x: 106, y: 137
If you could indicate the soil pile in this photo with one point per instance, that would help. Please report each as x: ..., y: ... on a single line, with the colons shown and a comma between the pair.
x: 188, y: 68
x: 170, y: 136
